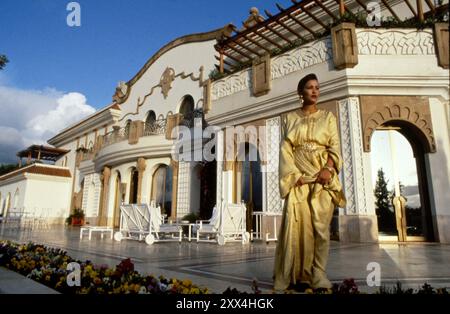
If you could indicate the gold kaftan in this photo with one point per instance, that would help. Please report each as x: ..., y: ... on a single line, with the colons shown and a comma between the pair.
x: 303, y: 243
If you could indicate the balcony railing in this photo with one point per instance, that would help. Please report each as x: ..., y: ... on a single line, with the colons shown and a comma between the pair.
x: 115, y: 136
x: 155, y: 127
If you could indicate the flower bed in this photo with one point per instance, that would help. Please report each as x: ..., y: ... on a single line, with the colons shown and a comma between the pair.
x: 49, y: 267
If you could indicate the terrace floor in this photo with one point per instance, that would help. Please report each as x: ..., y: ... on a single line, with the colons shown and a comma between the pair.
x: 236, y: 265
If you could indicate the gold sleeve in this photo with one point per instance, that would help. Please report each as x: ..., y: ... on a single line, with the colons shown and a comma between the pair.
x: 288, y: 172
x: 333, y: 147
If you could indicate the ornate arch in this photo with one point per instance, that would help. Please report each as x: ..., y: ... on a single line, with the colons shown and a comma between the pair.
x: 400, y: 111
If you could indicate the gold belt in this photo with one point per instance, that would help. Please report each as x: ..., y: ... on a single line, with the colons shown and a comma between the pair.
x: 309, y: 147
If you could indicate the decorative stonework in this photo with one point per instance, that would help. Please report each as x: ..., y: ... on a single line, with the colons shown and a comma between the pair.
x: 253, y: 19
x: 121, y: 92
x: 166, y: 81
x: 302, y: 57
x: 184, y: 190
x: 395, y: 42
x: 231, y: 84
x: 295, y: 60
x: 90, y: 179
x: 274, y: 201
x: 165, y: 85
x: 414, y: 110
x: 352, y: 156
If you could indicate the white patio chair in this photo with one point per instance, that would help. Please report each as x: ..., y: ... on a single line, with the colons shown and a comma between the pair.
x: 160, y: 231
x: 208, y: 227
x: 226, y: 224
x: 134, y: 222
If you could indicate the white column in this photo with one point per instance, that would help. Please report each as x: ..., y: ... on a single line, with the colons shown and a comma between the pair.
x: 438, y: 170
x: 353, y: 172
x: 219, y: 159
x: 184, y: 190
x: 273, y: 136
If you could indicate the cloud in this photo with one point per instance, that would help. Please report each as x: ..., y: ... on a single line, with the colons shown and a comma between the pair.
x: 33, y: 116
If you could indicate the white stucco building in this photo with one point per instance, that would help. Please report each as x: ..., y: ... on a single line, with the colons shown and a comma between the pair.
x: 372, y: 78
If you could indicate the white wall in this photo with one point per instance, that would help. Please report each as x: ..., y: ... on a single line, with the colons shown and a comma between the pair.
x: 439, y: 169
x: 11, y: 188
x: 48, y: 195
x: 187, y: 58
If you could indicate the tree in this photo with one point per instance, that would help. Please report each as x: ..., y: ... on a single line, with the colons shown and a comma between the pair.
x: 3, y: 61
x: 382, y: 202
x: 6, y: 168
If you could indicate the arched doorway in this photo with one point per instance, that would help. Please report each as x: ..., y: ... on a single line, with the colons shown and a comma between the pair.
x: 400, y: 184
x: 134, y: 180
x: 161, y: 191
x: 118, y: 199
x: 249, y: 181
x: 208, y: 177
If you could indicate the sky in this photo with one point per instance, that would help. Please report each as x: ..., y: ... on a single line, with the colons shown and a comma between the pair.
x: 59, y: 74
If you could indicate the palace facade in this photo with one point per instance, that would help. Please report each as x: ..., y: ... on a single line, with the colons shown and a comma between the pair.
x: 391, y: 77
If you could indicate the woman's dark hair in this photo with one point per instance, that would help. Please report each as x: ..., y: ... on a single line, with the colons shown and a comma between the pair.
x: 304, y: 80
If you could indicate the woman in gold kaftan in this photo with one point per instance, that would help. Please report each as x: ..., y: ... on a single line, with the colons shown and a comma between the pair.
x: 310, y: 161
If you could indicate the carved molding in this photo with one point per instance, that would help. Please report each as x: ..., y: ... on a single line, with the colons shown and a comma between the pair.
x: 231, y: 84
x: 352, y: 156
x: 395, y: 42
x: 413, y: 110
x: 302, y: 57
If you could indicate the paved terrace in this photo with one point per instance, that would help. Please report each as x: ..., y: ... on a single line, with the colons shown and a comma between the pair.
x: 236, y: 265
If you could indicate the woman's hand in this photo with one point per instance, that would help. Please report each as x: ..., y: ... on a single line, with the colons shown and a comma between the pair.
x: 324, y: 176
x: 300, y: 182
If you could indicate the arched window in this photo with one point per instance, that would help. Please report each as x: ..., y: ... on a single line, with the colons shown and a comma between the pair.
x: 150, y: 121
x: 162, y: 188
x: 187, y: 111
x: 133, y: 186
x: 187, y: 105
x: 127, y: 128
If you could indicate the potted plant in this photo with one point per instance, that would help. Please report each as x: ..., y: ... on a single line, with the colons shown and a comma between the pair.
x: 77, y: 217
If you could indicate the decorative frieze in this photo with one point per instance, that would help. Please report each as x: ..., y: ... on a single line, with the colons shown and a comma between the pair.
x: 294, y: 60
x: 395, y: 42
x: 415, y: 110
